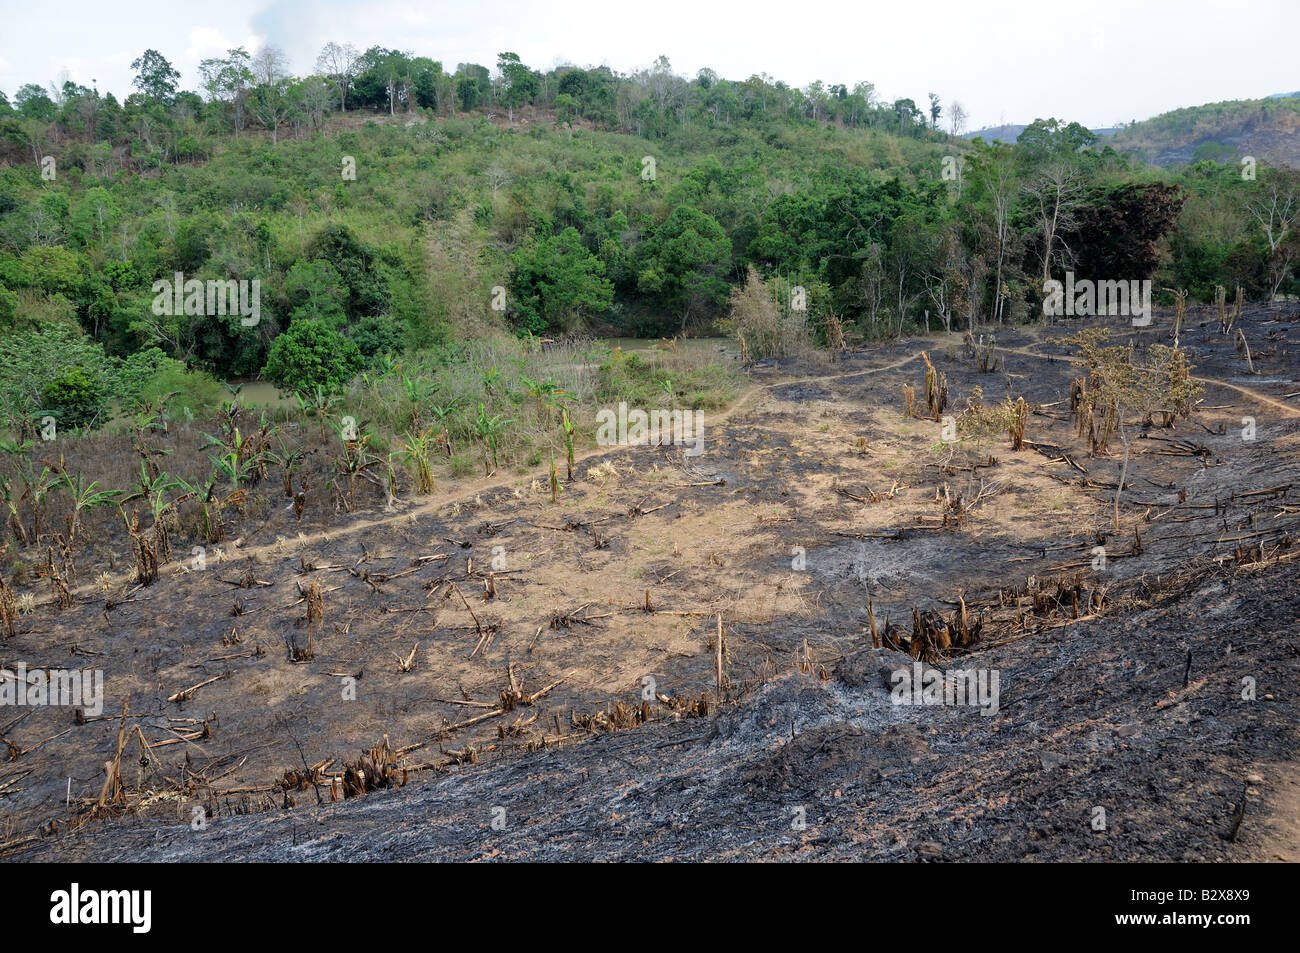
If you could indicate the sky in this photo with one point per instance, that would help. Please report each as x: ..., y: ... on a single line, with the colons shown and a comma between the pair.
x: 1097, y: 62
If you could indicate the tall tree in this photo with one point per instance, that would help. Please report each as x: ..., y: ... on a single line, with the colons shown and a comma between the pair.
x: 270, y: 101
x: 1054, y: 191
x: 686, y: 261
x: 155, y: 77
x: 228, y: 81
x: 519, y: 84
x: 338, y: 63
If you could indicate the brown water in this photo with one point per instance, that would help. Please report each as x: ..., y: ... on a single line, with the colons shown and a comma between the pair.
x: 264, y: 394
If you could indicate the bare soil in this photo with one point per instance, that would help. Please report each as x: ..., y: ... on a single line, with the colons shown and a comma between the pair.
x: 1121, y: 686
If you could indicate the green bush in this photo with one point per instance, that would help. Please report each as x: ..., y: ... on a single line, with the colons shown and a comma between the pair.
x: 375, y: 337
x: 310, y: 355
x: 149, y: 374
x: 74, y: 399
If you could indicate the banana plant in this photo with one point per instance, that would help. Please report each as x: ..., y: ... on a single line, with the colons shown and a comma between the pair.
x: 229, y: 465
x: 567, y: 426
x: 85, y: 496
x: 319, y: 403
x: 289, y: 460
x: 11, y: 504
x: 666, y: 385
x: 355, y: 462
x: 18, y: 449
x: 154, y: 493
x: 548, y: 394
x: 152, y: 414
x: 385, y: 367
x: 212, y: 505
x: 415, y: 449
x: 36, y: 488
x: 228, y: 415
x: 442, y: 412
x: 490, y: 429
x: 417, y: 391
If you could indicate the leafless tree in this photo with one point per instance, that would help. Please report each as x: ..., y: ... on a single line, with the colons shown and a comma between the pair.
x: 997, y: 173
x: 270, y: 66
x: 956, y: 118
x: 1276, y: 213
x: 338, y: 63
x: 1056, y: 192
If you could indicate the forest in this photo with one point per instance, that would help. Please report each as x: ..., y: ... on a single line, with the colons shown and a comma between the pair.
x: 387, y: 205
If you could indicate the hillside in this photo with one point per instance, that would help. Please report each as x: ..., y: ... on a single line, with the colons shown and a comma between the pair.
x: 648, y: 673
x: 395, y: 432
x: 1268, y: 129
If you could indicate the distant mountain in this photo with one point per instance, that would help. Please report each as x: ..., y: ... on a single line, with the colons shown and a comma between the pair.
x: 1010, y: 133
x: 1005, y: 133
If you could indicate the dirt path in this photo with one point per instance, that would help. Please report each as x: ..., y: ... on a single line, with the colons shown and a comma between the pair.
x: 1244, y: 391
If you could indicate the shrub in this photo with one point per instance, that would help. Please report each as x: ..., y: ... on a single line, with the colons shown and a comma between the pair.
x: 758, y: 319
x: 310, y: 355
x: 75, y: 399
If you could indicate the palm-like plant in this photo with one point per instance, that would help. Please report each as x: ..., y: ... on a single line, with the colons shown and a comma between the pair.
x: 229, y: 465
x: 547, y: 393
x: 154, y: 492
x: 415, y: 450
x: 355, y: 462
x: 212, y: 504
x: 490, y: 429
x: 11, y: 504
x: 417, y: 391
x: 19, y: 450
x: 152, y: 414
x: 442, y: 412
x: 319, y: 403
x: 666, y: 385
x: 85, y: 496
x: 567, y: 426
x: 289, y: 460
x: 37, y: 487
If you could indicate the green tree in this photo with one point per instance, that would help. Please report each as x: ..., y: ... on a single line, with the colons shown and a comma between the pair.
x: 57, y: 370
x: 33, y: 103
x: 557, y: 282
x: 466, y: 93
x: 519, y: 83
x: 155, y: 77
x: 314, y: 291
x: 424, y: 82
x: 75, y: 399
x: 228, y: 81
x: 685, y: 263
x: 311, y: 355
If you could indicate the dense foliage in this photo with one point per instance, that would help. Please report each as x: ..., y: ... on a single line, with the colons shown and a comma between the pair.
x: 385, y: 203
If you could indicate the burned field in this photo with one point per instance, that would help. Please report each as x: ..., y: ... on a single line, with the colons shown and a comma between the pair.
x: 689, y: 657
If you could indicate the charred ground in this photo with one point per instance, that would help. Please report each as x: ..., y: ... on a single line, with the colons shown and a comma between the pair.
x: 1121, y: 686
